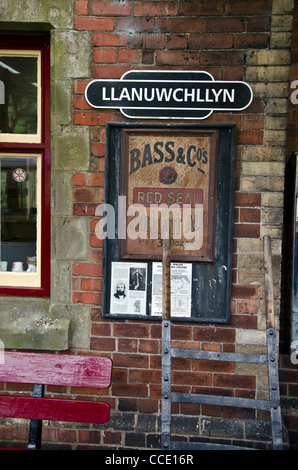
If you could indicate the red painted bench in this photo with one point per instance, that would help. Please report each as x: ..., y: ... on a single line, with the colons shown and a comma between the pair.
x: 53, y: 369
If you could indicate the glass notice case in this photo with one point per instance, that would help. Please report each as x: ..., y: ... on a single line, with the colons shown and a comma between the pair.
x: 289, y: 311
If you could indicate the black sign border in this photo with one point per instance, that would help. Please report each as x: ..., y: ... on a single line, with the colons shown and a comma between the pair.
x: 167, y: 113
x: 212, y: 282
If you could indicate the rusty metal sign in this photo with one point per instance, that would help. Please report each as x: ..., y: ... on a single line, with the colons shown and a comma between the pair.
x: 168, y: 177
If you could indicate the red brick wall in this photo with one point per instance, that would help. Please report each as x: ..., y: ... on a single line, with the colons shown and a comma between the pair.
x: 214, y: 36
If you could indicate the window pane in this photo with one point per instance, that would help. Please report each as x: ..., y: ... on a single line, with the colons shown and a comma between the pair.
x: 18, y: 213
x: 18, y: 94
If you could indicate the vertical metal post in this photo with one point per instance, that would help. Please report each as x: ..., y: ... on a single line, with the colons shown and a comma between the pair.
x: 275, y: 409
x: 34, y: 441
x: 166, y: 348
x: 269, y: 296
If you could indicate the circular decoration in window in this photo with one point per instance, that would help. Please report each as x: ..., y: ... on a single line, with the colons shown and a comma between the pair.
x: 168, y: 175
x: 19, y: 175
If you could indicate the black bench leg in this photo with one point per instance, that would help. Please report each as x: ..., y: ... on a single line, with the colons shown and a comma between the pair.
x: 34, y: 441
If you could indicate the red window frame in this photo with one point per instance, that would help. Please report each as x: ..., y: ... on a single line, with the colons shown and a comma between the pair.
x: 40, y: 43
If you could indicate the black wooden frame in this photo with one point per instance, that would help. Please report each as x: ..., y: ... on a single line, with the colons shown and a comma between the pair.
x: 211, y: 282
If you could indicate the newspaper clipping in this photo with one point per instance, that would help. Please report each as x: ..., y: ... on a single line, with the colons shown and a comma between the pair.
x: 128, y: 288
x: 181, y: 275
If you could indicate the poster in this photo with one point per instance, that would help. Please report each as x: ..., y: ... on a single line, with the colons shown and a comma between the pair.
x: 181, y: 283
x: 128, y: 288
x: 168, y: 178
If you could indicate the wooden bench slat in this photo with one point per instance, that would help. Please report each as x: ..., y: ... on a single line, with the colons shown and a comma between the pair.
x: 54, y: 409
x: 56, y: 369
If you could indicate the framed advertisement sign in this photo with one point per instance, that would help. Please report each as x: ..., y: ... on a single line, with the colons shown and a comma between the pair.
x: 189, y: 171
x: 168, y: 179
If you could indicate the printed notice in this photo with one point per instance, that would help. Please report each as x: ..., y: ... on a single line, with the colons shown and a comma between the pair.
x: 181, y: 277
x: 128, y: 288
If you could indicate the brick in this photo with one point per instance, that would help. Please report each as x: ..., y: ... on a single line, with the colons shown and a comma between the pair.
x: 148, y: 406
x: 109, y: 71
x: 272, y: 216
x: 179, y: 25
x: 177, y: 42
x: 86, y: 298
x: 250, y: 138
x: 147, y: 57
x: 127, y: 345
x: 253, y: 122
x: 258, y: 24
x: 104, y: 56
x: 214, y: 335
x: 109, y: 39
x: 91, y: 285
x: 199, y: 41
x: 202, y: 8
x: 91, y: 119
x: 113, y: 8
x: 136, y: 25
x: 87, y: 269
x: 135, y: 439
x: 130, y: 390
x: 97, y: 24
x: 155, y: 8
x: 244, y: 321
x: 177, y: 57
x: 267, y: 73
x: 247, y: 306
x: 102, y: 344
x: 222, y: 58
x: 191, y: 378
x: 95, y: 241
x: 228, y: 25
x: 84, y: 208
x: 84, y: 195
x: 79, y: 179
x: 154, y: 41
x: 265, y: 154
x: 181, y: 333
x: 241, y: 7
x: 92, y: 437
x: 97, y: 179
x: 222, y: 41
x: 234, y: 381
x: 80, y: 85
x: 250, y: 215
x: 112, y: 437
x: 128, y: 55
x: 100, y: 329
x: 7, y: 432
x: 81, y: 7
x: 272, y: 57
x: 273, y: 199
x: 148, y: 346
x: 213, y: 366
x: 248, y: 199
x: 80, y: 103
x: 253, y: 41
x: 262, y: 183
x: 131, y: 330
x: 67, y: 435
x: 246, y: 231
x: 130, y: 360
x: 145, y: 376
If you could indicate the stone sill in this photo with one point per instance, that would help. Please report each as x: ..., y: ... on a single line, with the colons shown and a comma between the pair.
x: 26, y: 324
